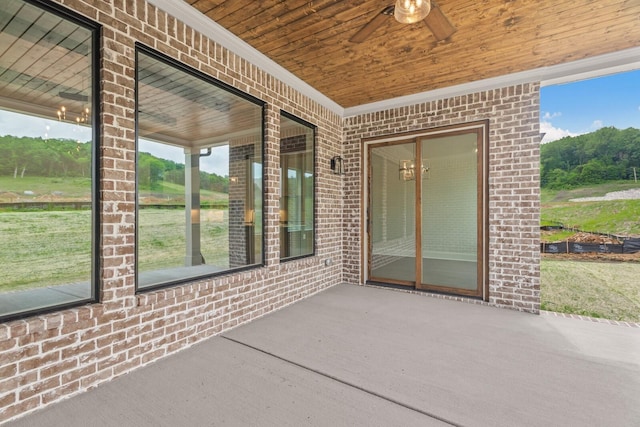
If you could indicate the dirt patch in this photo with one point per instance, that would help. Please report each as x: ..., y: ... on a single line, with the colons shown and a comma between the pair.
x: 633, y: 193
x: 582, y: 237
x: 8, y: 197
x: 588, y: 238
x: 594, y: 256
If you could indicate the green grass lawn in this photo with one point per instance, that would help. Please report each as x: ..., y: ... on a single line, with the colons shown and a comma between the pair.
x: 620, y: 217
x: 556, y: 236
x: 176, y: 191
x: 76, y: 188
x: 44, y: 248
x: 162, y: 238
x: 596, y: 289
x: 40, y: 249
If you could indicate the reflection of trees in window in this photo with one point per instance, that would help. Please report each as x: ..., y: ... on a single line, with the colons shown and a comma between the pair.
x: 47, y: 183
x: 193, y: 222
x: 151, y: 172
x: 27, y: 156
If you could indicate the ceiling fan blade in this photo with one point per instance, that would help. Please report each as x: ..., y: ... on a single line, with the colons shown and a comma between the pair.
x: 372, y: 25
x: 438, y: 23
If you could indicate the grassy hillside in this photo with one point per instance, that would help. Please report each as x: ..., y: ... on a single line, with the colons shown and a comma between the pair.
x: 620, y: 217
x: 171, y: 191
x: 54, y: 248
x: 557, y: 196
x: 75, y: 187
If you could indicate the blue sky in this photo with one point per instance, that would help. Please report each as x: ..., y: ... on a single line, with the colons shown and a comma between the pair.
x: 584, y: 106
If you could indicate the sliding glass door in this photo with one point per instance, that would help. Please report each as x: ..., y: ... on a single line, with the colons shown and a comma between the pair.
x: 450, y: 214
x: 392, y: 233
x: 426, y: 210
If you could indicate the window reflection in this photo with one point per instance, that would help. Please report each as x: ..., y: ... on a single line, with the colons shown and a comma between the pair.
x: 46, y: 159
x: 199, y: 175
x: 297, y: 188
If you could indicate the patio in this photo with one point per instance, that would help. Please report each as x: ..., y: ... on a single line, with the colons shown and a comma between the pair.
x: 354, y: 355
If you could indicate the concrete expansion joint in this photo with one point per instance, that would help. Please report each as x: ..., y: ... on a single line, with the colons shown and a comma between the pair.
x: 347, y: 383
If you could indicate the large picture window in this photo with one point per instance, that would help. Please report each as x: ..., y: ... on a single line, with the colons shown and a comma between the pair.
x: 297, y: 187
x: 199, y: 171
x: 48, y: 61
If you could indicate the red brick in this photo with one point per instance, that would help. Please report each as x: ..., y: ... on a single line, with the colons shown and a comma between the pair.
x: 38, y: 388
x: 78, y: 374
x: 64, y: 341
x: 64, y: 390
x: 38, y: 362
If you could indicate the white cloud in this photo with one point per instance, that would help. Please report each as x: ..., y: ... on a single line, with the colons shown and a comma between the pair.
x: 597, y: 124
x: 552, y: 133
x: 548, y: 116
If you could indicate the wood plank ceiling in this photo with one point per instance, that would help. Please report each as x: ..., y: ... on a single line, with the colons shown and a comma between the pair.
x: 44, y: 63
x: 177, y: 108
x: 45, y: 68
x: 494, y: 38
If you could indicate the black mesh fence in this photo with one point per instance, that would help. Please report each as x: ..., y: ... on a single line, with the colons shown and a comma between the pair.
x: 628, y: 245
x: 554, y: 248
x: 583, y: 248
x: 631, y: 246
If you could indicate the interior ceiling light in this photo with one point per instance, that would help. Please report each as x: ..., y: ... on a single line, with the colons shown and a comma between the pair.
x: 410, y: 11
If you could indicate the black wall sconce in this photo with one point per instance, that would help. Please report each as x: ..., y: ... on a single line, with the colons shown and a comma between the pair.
x: 337, y: 165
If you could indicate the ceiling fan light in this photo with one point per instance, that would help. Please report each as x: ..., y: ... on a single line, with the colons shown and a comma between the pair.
x: 410, y: 11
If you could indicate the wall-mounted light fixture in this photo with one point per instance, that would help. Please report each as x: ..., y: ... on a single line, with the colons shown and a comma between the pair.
x: 337, y: 165
x: 407, y: 169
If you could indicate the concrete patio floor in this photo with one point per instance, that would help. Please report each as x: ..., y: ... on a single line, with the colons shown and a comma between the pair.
x: 363, y: 356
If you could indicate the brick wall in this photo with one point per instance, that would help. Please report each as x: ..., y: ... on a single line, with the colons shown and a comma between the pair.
x: 47, y: 357
x: 514, y: 190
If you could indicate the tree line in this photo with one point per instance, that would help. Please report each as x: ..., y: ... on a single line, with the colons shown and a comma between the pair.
x: 153, y: 171
x: 608, y: 154
x: 26, y: 156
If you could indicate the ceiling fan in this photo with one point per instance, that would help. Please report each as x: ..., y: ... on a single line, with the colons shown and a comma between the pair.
x: 435, y: 20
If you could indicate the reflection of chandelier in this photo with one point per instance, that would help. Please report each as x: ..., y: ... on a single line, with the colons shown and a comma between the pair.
x: 407, y: 169
x: 81, y: 117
